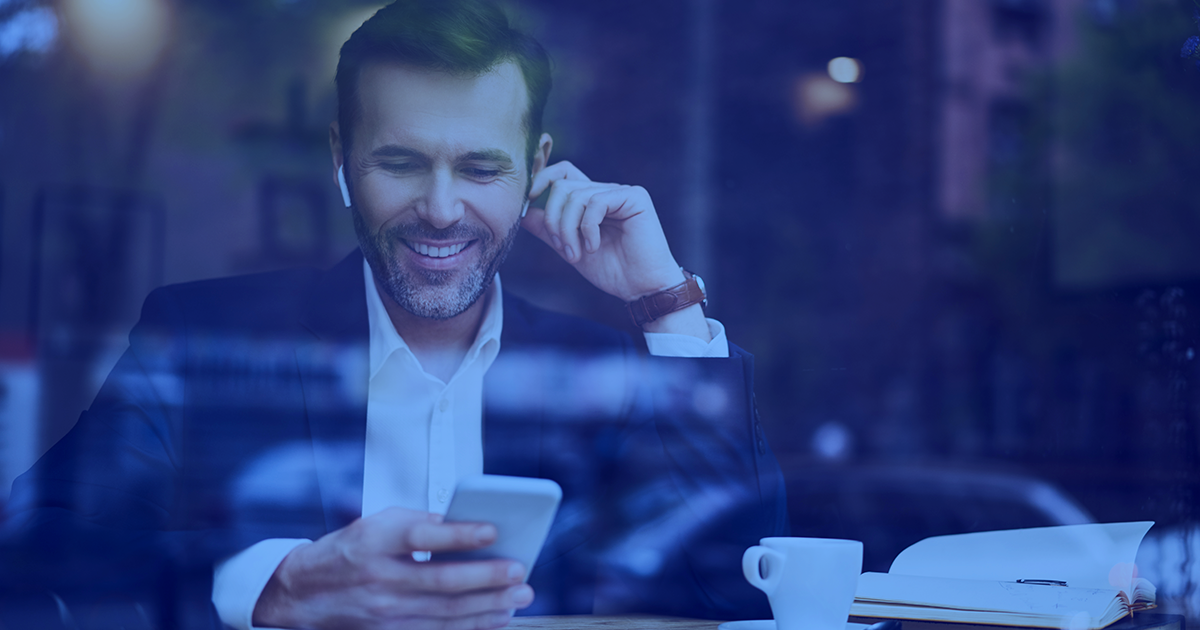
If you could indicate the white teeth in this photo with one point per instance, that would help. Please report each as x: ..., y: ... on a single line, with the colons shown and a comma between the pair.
x: 438, y: 252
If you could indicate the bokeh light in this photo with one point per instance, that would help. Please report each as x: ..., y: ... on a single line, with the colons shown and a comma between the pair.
x: 118, y: 38
x: 845, y: 70
x: 33, y: 30
x: 816, y: 97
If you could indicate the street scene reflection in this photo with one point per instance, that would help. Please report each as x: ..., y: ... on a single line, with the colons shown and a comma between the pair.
x: 958, y: 238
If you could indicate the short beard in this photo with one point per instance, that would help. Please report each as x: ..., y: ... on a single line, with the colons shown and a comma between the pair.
x: 429, y: 293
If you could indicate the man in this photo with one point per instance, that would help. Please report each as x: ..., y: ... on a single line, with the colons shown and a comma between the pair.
x: 283, y: 444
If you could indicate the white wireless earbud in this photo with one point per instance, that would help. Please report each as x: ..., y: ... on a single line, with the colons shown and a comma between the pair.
x: 342, y: 185
x: 525, y: 209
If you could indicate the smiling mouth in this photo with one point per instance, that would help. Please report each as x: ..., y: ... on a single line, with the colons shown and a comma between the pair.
x: 437, y: 252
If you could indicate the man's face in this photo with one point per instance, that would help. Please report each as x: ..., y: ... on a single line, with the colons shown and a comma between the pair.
x: 439, y: 181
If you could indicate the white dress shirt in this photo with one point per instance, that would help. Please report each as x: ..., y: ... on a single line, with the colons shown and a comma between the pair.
x: 423, y: 435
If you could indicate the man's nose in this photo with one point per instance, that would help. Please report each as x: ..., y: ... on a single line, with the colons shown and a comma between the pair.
x: 441, y: 207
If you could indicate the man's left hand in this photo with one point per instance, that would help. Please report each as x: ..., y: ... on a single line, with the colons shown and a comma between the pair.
x: 609, y: 232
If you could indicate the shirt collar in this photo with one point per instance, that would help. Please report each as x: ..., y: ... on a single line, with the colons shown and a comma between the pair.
x: 385, y: 340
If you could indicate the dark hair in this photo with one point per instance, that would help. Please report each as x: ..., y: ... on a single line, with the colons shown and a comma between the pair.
x: 459, y: 37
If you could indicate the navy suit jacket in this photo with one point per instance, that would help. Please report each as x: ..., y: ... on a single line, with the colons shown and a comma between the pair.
x: 238, y: 413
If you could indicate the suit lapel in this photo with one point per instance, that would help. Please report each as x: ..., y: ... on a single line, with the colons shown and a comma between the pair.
x: 333, y: 366
x: 511, y: 442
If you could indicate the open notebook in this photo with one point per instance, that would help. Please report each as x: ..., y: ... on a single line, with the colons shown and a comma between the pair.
x: 1078, y: 577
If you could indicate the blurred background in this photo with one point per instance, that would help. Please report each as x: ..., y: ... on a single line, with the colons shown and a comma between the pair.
x: 960, y: 236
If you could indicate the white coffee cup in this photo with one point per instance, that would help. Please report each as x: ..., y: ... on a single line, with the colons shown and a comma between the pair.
x: 810, y: 582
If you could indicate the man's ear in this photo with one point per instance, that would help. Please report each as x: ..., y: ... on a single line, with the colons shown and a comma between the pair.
x: 541, y: 157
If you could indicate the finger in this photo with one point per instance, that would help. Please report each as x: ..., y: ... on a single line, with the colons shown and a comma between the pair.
x: 535, y: 223
x: 448, y: 536
x: 397, y: 531
x: 403, y: 574
x: 574, y: 205
x: 564, y: 208
x: 462, y: 577
x: 623, y: 202
x: 556, y: 202
x: 604, y: 201
x: 589, y: 224
x: 558, y: 171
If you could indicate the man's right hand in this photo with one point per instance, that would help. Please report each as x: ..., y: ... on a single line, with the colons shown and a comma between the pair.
x: 364, y: 576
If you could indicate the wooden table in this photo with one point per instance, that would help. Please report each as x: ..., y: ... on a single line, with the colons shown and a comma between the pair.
x: 595, y: 622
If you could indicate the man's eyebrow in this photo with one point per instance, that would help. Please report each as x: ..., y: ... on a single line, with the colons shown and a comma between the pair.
x: 487, y: 155
x: 396, y: 151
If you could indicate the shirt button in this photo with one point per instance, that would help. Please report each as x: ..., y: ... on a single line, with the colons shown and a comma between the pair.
x: 444, y: 405
x: 443, y: 494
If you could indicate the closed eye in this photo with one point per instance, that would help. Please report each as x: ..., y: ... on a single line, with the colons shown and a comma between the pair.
x: 481, y: 173
x: 399, y: 167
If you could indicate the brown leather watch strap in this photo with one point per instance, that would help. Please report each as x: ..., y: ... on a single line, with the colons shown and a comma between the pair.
x: 651, y: 307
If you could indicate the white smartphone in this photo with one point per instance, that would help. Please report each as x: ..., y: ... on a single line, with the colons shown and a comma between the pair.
x: 521, y: 508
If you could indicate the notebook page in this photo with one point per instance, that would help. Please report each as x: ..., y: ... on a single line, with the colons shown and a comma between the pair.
x: 982, y: 595
x: 1095, y: 555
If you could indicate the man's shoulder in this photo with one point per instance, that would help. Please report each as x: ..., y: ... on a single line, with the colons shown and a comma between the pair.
x: 249, y: 287
x: 262, y: 302
x: 260, y: 296
x: 526, y: 324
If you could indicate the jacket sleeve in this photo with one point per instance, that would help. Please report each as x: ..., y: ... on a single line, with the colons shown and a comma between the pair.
x: 698, y: 485
x: 88, y: 531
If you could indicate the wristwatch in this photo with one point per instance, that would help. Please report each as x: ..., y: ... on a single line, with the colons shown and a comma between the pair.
x: 651, y: 307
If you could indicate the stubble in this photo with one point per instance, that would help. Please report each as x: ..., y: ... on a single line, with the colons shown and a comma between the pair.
x: 432, y: 293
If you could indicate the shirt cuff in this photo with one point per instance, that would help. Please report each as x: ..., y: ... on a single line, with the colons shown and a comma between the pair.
x: 239, y: 580
x: 687, y: 346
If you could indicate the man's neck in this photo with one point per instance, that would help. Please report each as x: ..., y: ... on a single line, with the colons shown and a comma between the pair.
x: 438, y: 344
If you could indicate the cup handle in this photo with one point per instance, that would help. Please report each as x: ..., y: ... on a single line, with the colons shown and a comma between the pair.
x: 750, y: 566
